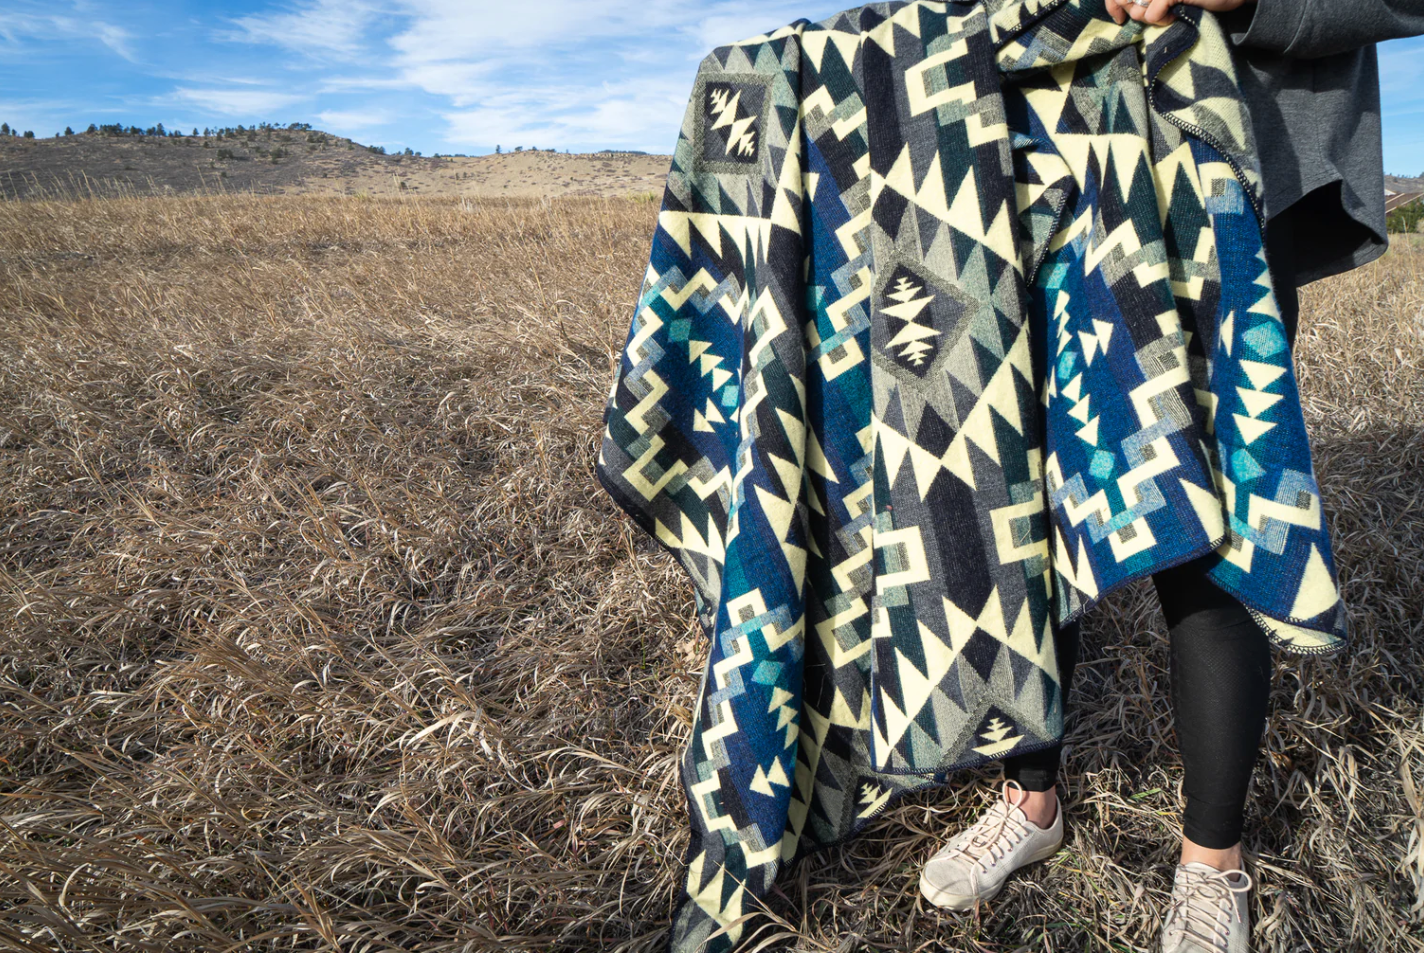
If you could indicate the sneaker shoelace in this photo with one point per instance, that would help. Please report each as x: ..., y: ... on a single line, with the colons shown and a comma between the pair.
x: 1198, y: 901
x: 991, y: 837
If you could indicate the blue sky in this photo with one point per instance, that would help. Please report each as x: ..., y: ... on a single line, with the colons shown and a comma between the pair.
x: 432, y: 75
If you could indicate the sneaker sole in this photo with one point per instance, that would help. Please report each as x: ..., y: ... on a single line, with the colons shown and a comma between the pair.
x: 964, y: 902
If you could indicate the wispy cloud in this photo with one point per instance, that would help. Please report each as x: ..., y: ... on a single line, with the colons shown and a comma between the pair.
x: 237, y: 102
x: 564, y: 116
x: 15, y: 28
x: 729, y: 22
x: 323, y: 27
x: 458, y: 29
x: 115, y: 38
x: 348, y: 84
x: 566, y: 73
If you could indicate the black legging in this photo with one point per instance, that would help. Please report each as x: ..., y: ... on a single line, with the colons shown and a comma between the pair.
x: 1220, y: 681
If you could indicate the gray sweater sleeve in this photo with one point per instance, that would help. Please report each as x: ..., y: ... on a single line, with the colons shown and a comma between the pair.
x: 1304, y: 29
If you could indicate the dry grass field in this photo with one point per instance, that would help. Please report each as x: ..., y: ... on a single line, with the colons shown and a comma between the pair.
x: 317, y: 634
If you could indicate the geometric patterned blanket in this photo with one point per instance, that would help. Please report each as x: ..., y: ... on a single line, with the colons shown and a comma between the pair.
x: 957, y: 318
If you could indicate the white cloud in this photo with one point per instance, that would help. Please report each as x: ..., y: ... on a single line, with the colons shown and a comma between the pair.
x: 16, y: 27
x: 237, y: 102
x: 739, y: 20
x: 631, y: 114
x: 460, y: 29
x: 566, y: 73
x: 546, y: 31
x: 464, y: 84
x: 323, y: 27
x: 115, y: 38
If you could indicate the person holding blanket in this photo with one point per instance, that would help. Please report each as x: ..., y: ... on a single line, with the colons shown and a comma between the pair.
x: 958, y: 317
x: 1310, y: 82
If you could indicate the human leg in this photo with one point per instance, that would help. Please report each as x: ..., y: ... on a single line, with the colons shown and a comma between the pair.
x: 1037, y: 772
x: 1220, y: 682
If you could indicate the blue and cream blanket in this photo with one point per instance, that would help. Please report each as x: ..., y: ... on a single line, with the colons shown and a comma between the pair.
x: 957, y: 318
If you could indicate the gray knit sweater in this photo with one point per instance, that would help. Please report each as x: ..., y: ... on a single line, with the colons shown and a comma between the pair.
x: 1310, y: 75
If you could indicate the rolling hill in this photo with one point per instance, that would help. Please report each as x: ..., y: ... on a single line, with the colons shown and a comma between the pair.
x: 289, y: 161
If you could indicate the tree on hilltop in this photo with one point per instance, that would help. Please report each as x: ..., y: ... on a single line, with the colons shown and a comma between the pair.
x: 4, y: 129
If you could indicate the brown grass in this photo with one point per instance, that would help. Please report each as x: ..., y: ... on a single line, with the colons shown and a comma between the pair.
x: 315, y: 632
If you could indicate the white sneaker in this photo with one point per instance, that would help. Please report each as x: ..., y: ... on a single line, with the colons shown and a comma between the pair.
x: 1209, y: 911
x: 974, y: 865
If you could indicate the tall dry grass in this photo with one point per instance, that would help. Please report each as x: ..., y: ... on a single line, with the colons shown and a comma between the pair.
x: 315, y: 632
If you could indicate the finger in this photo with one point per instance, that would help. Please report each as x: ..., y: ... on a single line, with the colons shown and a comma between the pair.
x: 1137, y: 11
x: 1157, y: 13
x: 1116, y: 11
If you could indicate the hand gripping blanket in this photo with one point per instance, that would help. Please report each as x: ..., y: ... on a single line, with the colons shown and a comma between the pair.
x: 957, y: 319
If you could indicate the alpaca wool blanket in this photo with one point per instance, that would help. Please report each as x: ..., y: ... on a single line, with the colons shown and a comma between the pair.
x: 957, y: 318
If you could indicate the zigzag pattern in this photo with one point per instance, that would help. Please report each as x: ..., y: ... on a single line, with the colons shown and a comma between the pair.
x: 957, y: 318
